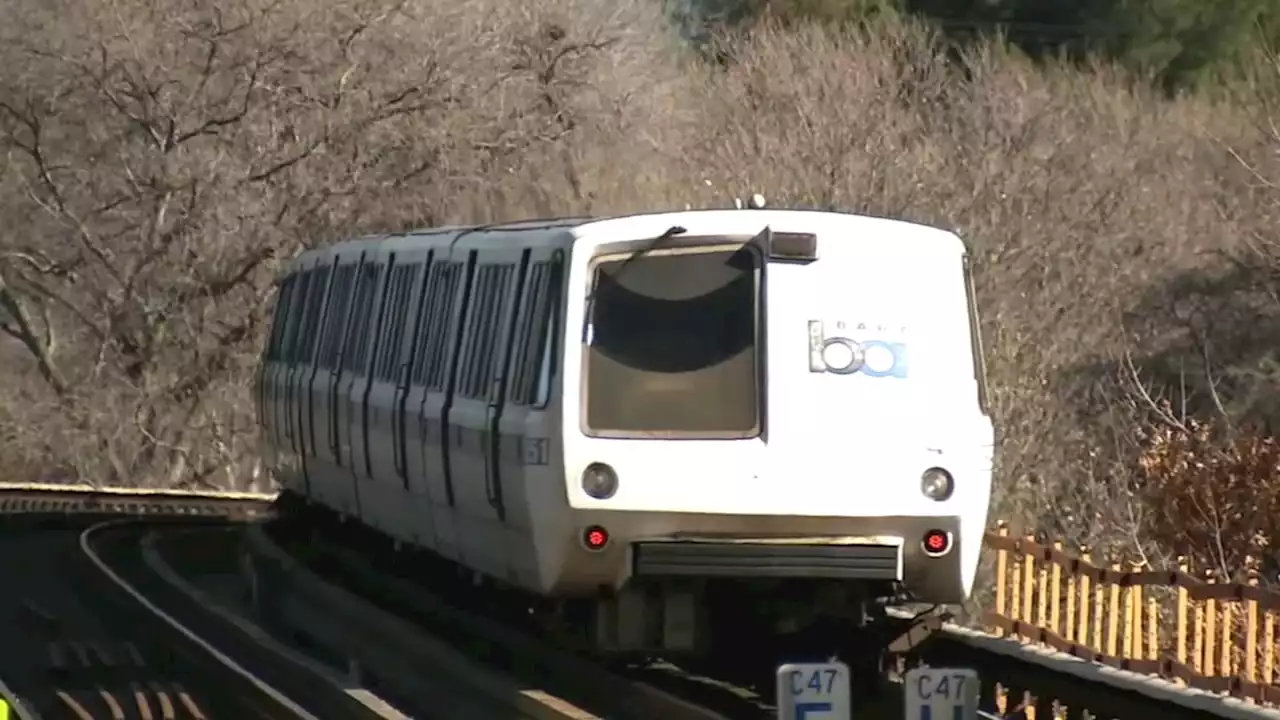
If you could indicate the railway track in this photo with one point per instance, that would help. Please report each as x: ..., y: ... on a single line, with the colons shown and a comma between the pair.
x: 86, y: 638
x: 483, y: 629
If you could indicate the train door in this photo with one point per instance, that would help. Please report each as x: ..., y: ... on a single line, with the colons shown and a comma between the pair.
x: 328, y: 484
x: 476, y: 408
x: 388, y: 488
x: 303, y: 368
x: 430, y: 478
x: 356, y: 352
x: 520, y: 433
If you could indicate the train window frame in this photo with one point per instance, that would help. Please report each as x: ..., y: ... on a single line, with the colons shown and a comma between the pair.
x: 447, y: 344
x: 378, y: 319
x: 434, y: 288
x: 531, y: 297
x: 553, y: 322
x: 334, y: 334
x: 355, y: 357
x: 346, y: 356
x: 380, y: 331
x: 415, y: 321
x: 315, y: 309
x: 685, y: 245
x: 280, y: 314
x: 472, y: 321
x: 297, y: 310
x: 504, y: 276
x: 412, y: 302
x: 311, y: 306
x: 395, y: 316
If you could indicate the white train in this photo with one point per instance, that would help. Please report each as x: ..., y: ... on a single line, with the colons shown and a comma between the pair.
x: 672, y: 421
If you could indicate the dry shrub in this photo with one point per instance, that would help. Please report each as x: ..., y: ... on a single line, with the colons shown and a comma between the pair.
x: 1213, y: 495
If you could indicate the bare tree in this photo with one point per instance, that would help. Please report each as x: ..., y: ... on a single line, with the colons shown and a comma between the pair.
x: 165, y: 157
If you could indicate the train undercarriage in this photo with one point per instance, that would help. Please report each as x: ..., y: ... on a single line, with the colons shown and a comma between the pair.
x: 742, y: 625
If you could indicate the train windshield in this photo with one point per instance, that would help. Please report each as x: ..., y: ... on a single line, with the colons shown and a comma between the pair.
x: 674, y: 343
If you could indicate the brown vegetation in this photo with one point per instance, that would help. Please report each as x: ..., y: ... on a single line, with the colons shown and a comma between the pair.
x: 162, y: 158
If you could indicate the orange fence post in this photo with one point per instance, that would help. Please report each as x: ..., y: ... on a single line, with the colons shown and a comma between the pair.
x: 1070, y: 629
x: 1002, y: 575
x: 1228, y: 639
x: 1086, y: 599
x: 1113, y: 610
x: 1042, y: 594
x: 1015, y: 590
x: 1133, y: 616
x: 1184, y: 569
x: 1028, y: 581
x: 1251, y: 632
x: 1055, y: 590
x: 1210, y: 629
x: 1269, y: 643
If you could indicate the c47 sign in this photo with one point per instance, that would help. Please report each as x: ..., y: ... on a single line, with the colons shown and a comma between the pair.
x: 941, y: 694
x: 813, y: 691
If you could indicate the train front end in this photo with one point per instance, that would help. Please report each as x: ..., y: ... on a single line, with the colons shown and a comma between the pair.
x: 785, y: 403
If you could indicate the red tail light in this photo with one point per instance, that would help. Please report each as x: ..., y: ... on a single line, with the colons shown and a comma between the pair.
x: 936, y: 542
x: 595, y: 537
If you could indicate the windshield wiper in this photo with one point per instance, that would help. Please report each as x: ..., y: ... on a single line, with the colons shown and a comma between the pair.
x: 650, y: 246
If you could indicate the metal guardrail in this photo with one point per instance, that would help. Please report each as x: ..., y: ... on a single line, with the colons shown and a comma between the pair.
x: 132, y: 491
x: 53, y: 499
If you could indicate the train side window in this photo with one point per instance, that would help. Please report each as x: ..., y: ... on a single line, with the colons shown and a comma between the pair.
x: 521, y: 373
x: 546, y: 333
x: 492, y: 319
x: 429, y: 320
x: 315, y: 307
x: 402, y: 281
x: 491, y: 323
x: 336, y: 325
x: 310, y: 306
x: 440, y: 343
x: 357, y: 346
x: 291, y: 301
x: 478, y: 317
x: 436, y: 325
x: 381, y: 324
x: 296, y: 309
x: 283, y: 296
x: 506, y: 285
x: 379, y: 310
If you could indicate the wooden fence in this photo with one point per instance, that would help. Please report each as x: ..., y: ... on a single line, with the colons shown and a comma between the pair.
x: 1201, y: 633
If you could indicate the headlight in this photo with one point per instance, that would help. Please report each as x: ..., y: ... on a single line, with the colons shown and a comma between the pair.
x: 599, y: 481
x: 936, y: 484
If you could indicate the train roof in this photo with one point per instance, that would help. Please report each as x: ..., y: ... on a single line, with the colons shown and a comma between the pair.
x: 502, y: 232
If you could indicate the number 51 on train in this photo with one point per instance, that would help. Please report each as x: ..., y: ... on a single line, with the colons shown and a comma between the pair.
x: 941, y: 694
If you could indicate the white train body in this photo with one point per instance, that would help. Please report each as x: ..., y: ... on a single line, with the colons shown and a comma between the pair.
x: 767, y: 390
